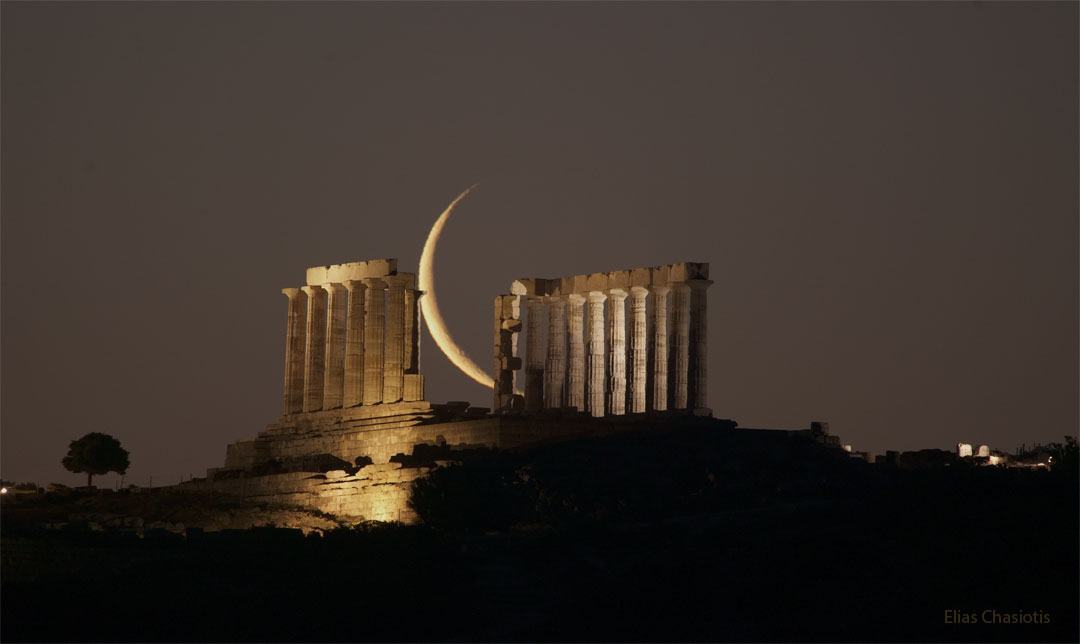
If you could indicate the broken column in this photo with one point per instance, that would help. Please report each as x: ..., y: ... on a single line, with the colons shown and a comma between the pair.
x: 314, y: 348
x: 575, y: 372
x: 353, y: 388
x: 616, y: 351
x: 333, y: 376
x: 555, y: 367
x: 507, y: 327
x: 295, y: 333
x: 594, y: 386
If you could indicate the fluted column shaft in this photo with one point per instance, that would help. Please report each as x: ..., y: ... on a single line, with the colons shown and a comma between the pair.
x: 534, y: 356
x: 394, y: 353
x: 412, y: 331
x: 699, y: 347
x: 353, y: 387
x: 594, y: 392
x: 680, y: 320
x: 616, y: 352
x: 295, y: 332
x: 555, y: 367
x: 315, y: 348
x: 658, y: 350
x: 333, y: 376
x: 638, y: 349
x: 374, y: 321
x: 575, y: 373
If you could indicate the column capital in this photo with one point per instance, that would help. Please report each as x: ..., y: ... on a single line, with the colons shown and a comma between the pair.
x: 398, y: 280
x: 352, y: 285
x: 597, y: 297
x: 311, y: 289
x: 291, y: 292
x: 659, y: 289
x: 333, y: 287
x: 699, y: 284
x: 374, y: 282
x: 639, y: 291
x: 680, y: 287
x: 617, y: 293
x: 576, y: 298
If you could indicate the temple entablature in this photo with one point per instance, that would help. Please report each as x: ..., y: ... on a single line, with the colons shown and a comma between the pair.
x: 340, y: 273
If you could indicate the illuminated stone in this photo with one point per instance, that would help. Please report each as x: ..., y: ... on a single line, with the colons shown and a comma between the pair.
x: 680, y: 350
x: 594, y: 391
x: 698, y: 351
x: 658, y: 349
x: 555, y: 367
x: 616, y: 352
x: 314, y: 348
x: 963, y: 449
x: 394, y: 341
x: 983, y: 451
x: 575, y: 373
x: 295, y: 334
x: 374, y: 321
x: 353, y: 393
x: 534, y: 355
x: 638, y: 349
x: 333, y: 377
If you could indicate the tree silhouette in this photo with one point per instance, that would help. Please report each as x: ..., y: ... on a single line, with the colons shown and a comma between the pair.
x: 96, y: 453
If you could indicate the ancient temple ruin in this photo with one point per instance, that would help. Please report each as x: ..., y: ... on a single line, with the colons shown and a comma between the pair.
x: 576, y: 353
x: 355, y: 430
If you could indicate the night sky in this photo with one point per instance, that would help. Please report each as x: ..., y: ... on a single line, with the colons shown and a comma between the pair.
x: 886, y: 193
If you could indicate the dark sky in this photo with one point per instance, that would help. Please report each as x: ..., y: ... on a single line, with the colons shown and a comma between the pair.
x: 886, y: 193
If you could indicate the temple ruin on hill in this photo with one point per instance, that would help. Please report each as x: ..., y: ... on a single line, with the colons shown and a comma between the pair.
x: 353, y: 411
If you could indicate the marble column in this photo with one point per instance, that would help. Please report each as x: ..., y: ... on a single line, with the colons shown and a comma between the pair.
x: 594, y: 386
x: 314, y: 348
x: 658, y: 350
x: 575, y: 373
x: 506, y: 363
x: 374, y: 321
x: 616, y: 352
x: 353, y: 389
x: 699, y: 348
x: 555, y: 367
x: 333, y: 376
x: 394, y: 353
x: 296, y: 329
x: 534, y: 355
x: 414, y: 382
x: 680, y: 340
x: 638, y: 350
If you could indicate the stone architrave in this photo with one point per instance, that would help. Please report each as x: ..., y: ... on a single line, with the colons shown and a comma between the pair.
x: 394, y: 352
x: 638, y: 349
x: 374, y: 321
x: 698, y: 385
x: 353, y: 390
x: 534, y: 355
x: 555, y: 367
x: 594, y: 390
x: 575, y: 373
x: 616, y: 352
x: 680, y: 350
x: 333, y: 376
x: 295, y: 333
x: 315, y: 348
x: 658, y: 350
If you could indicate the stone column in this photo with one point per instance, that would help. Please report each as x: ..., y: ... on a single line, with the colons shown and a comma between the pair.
x: 680, y: 350
x: 353, y: 389
x: 638, y: 349
x: 295, y: 331
x: 594, y: 391
x: 616, y: 352
x: 575, y: 373
x: 658, y: 350
x: 394, y: 356
x: 315, y: 348
x: 699, y: 348
x: 333, y: 376
x: 555, y: 367
x: 414, y: 382
x: 374, y: 320
x: 534, y: 356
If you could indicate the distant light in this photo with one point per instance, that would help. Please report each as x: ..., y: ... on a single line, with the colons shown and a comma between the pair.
x: 1049, y: 459
x: 3, y: 490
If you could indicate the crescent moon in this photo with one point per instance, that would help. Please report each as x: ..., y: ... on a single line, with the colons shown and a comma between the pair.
x: 429, y: 304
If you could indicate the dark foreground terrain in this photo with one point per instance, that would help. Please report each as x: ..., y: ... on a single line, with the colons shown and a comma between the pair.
x: 675, y: 536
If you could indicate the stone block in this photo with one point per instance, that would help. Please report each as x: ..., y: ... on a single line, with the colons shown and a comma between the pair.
x: 596, y: 282
x: 641, y: 277
x: 339, y: 273
x: 618, y: 279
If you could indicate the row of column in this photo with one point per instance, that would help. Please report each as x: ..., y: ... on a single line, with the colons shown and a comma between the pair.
x: 354, y: 343
x: 587, y: 369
